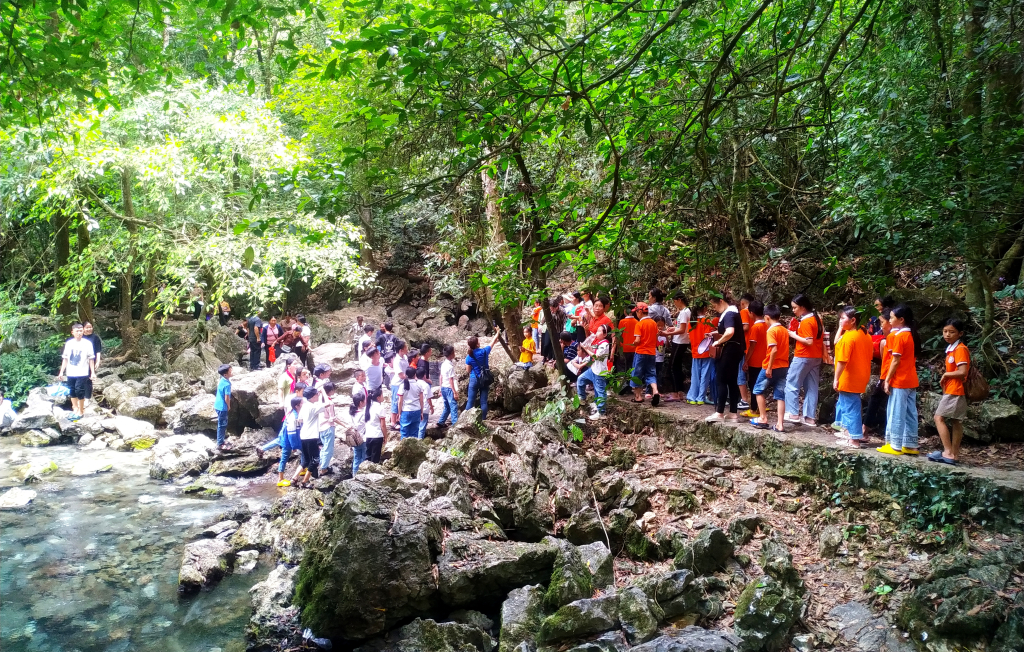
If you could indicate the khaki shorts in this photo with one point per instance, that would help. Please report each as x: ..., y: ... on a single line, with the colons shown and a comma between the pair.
x: 952, y: 407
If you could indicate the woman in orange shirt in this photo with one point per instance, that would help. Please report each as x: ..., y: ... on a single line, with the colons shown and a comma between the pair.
x: 952, y: 408
x: 901, y: 384
x: 700, y: 368
x: 805, y: 370
x: 852, y: 373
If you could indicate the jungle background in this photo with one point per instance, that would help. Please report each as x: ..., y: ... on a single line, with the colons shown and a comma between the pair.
x: 287, y: 155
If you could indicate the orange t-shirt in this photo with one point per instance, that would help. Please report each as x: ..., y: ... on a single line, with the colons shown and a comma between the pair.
x: 906, y: 371
x: 648, y: 331
x: 746, y: 318
x: 960, y: 355
x: 536, y: 317
x: 808, y: 328
x: 855, y: 349
x: 627, y: 326
x: 777, y: 336
x: 757, y: 344
x: 883, y: 345
x: 697, y: 333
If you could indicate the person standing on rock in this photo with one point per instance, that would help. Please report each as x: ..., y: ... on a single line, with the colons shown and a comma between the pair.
x: 399, y: 365
x: 374, y: 368
x: 289, y: 439
x: 478, y: 362
x: 598, y: 351
x: 449, y: 388
x: 527, y: 350
x: 286, y: 381
x: 852, y: 374
x: 253, y: 326
x: 410, y: 405
x: 376, y: 427
x: 222, y: 405
x: 901, y: 384
x: 731, y: 344
x: 423, y: 380
x: 79, y: 361
x: 386, y: 341
x: 97, y: 349
x: 952, y: 408
x: 309, y: 437
x: 627, y: 330
x: 678, y: 359
x: 302, y: 344
x: 645, y: 372
x: 774, y: 370
x: 328, y: 422
x: 805, y: 368
x: 269, y: 335
x: 364, y: 341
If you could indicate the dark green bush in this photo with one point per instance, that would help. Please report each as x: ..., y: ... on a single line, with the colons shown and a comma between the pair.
x: 25, y: 369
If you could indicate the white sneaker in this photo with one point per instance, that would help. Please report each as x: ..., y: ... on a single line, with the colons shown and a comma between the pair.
x: 714, y: 417
x: 810, y: 422
x: 792, y: 419
x: 597, y: 416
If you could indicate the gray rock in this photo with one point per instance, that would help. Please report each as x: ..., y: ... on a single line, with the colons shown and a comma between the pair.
x: 599, y: 561
x: 637, y: 620
x: 191, y: 365
x: 765, y: 612
x: 142, y: 408
x: 521, y: 616
x: 1002, y: 420
x: 274, y: 623
x: 743, y: 527
x: 252, y: 389
x: 861, y: 627
x: 117, y: 393
x: 90, y: 467
x: 829, y: 541
x: 16, y: 498
x: 707, y: 553
x: 241, y: 466
x: 570, y: 578
x: 408, y: 455
x: 581, y: 618
x: 35, y: 470
x: 38, y: 438
x: 220, y: 530
x: 518, y: 385
x: 692, y: 639
x: 35, y: 416
x: 473, y: 569
x: 245, y: 561
x: 473, y: 618
x: 128, y: 428
x: 584, y: 527
x: 803, y: 642
x: 178, y: 455
x: 429, y: 636
x: 203, y: 562
x: 196, y: 414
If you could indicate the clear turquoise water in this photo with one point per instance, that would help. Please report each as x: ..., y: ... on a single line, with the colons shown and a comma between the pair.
x: 93, y: 563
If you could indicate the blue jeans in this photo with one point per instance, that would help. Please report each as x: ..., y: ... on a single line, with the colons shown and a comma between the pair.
x: 536, y: 337
x: 776, y: 384
x: 803, y: 373
x: 848, y: 414
x: 409, y: 423
x: 474, y: 389
x: 448, y: 398
x: 358, y: 456
x: 394, y: 399
x: 599, y: 383
x: 327, y: 447
x: 741, y: 377
x: 700, y: 378
x: 901, y: 429
x: 645, y: 367
x: 222, y: 426
x: 286, y: 452
x: 424, y: 422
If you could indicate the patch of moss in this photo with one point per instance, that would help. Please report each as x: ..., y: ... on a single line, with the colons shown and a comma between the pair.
x: 746, y: 597
x: 623, y: 458
x: 683, y: 502
x: 143, y: 443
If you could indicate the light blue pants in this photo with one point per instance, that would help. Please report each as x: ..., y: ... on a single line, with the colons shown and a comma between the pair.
x: 476, y: 389
x: 536, y: 337
x: 804, y: 373
x: 394, y: 399
x: 848, y: 414
x: 424, y: 422
x: 600, y: 388
x: 409, y: 423
x: 358, y: 456
x: 327, y: 447
x: 700, y: 378
x: 901, y: 429
x: 450, y: 406
x: 222, y: 427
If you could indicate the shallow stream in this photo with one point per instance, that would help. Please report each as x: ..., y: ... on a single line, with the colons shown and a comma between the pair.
x: 92, y: 563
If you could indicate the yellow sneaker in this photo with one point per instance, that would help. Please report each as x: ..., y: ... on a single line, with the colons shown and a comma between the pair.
x: 909, y: 451
x: 888, y: 450
x: 751, y: 414
x: 284, y: 483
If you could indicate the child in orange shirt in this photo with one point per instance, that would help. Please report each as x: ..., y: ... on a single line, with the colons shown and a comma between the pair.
x: 952, y: 407
x: 901, y: 384
x: 805, y: 370
x: 874, y: 417
x: 700, y: 368
x: 644, y: 368
x: 741, y: 377
x: 757, y: 347
x: 774, y: 370
x: 852, y: 374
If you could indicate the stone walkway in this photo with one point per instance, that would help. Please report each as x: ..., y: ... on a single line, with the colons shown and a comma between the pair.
x: 690, y: 415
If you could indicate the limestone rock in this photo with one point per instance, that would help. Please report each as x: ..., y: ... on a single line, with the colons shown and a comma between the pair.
x: 1002, y: 420
x: 204, y: 561
x: 707, y: 553
x: 116, y: 394
x: 423, y: 635
x: 599, y: 561
x: 128, y: 428
x: 220, y: 530
x: 581, y: 618
x: 635, y: 616
x: 571, y: 579
x: 37, y: 438
x: 692, y: 639
x: 584, y: 527
x: 196, y: 414
x: 518, y: 385
x: 35, y: 416
x: 473, y: 569
x: 35, y: 470
x: 408, y: 455
x: 142, y: 408
x: 252, y: 389
x: 90, y: 467
x: 16, y: 498
x: 829, y: 541
x: 241, y: 466
x: 192, y: 366
x: 862, y: 628
x: 521, y: 616
x: 673, y: 594
x: 179, y: 455
x: 274, y: 623
x: 742, y: 528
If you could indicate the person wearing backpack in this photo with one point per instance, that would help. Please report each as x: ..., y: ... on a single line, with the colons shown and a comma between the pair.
x: 952, y: 407
x: 480, y: 377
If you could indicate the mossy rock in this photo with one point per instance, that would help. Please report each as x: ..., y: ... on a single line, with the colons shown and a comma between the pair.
x: 765, y: 612
x: 200, y: 490
x: 636, y: 616
x: 624, y: 458
x: 581, y: 618
x: 521, y: 616
x: 143, y: 443
x: 570, y: 579
x: 707, y: 553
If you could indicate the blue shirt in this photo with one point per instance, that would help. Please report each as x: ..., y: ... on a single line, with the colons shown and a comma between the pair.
x: 223, y: 391
x: 477, y: 362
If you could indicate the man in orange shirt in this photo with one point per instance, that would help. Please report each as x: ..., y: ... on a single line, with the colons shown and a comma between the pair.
x: 757, y: 347
x: 644, y: 359
x: 774, y: 370
x: 625, y: 332
x: 854, y: 351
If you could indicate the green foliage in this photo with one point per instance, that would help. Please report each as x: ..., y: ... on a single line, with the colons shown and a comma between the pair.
x: 24, y: 370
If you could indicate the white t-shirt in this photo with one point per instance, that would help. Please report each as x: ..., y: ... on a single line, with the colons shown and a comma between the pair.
x: 399, y: 364
x: 413, y: 396
x: 428, y: 393
x: 356, y: 421
x: 309, y: 414
x: 659, y: 355
x: 358, y: 389
x: 374, y: 374
x: 362, y: 341
x: 377, y: 410
x: 447, y: 373
x: 599, y: 361
x: 682, y: 321
x: 78, y: 353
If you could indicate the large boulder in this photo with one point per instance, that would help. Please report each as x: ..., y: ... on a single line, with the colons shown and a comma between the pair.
x: 519, y: 385
x: 142, y: 408
x: 707, y: 553
x: 179, y: 455
x: 16, y: 498
x: 203, y: 562
x: 521, y: 615
x: 118, y: 393
x: 472, y: 570
x: 131, y: 430
x: 570, y: 578
x: 224, y: 343
x: 169, y: 388
x: 692, y: 639
x: 581, y: 618
x: 768, y: 607
x: 196, y: 414
x: 192, y: 366
x: 1001, y: 420
x: 251, y: 390
x: 37, y: 438
x: 274, y: 624
x: 339, y: 356
x: 35, y: 416
x: 429, y: 636
x: 636, y: 616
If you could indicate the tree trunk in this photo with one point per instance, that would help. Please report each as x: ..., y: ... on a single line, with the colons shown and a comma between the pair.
x: 129, y: 335
x: 149, y: 295
x: 85, y: 298
x: 739, y: 173
x: 63, y: 249
x: 978, y: 280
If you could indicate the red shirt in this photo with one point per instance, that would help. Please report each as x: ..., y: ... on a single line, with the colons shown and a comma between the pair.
x: 594, y: 323
x: 627, y: 326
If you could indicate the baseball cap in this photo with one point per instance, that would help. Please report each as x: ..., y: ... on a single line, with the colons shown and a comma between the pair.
x: 641, y: 306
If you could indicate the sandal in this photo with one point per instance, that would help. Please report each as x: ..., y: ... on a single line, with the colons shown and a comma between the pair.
x: 759, y: 425
x: 655, y: 400
x: 775, y: 429
x: 637, y: 400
